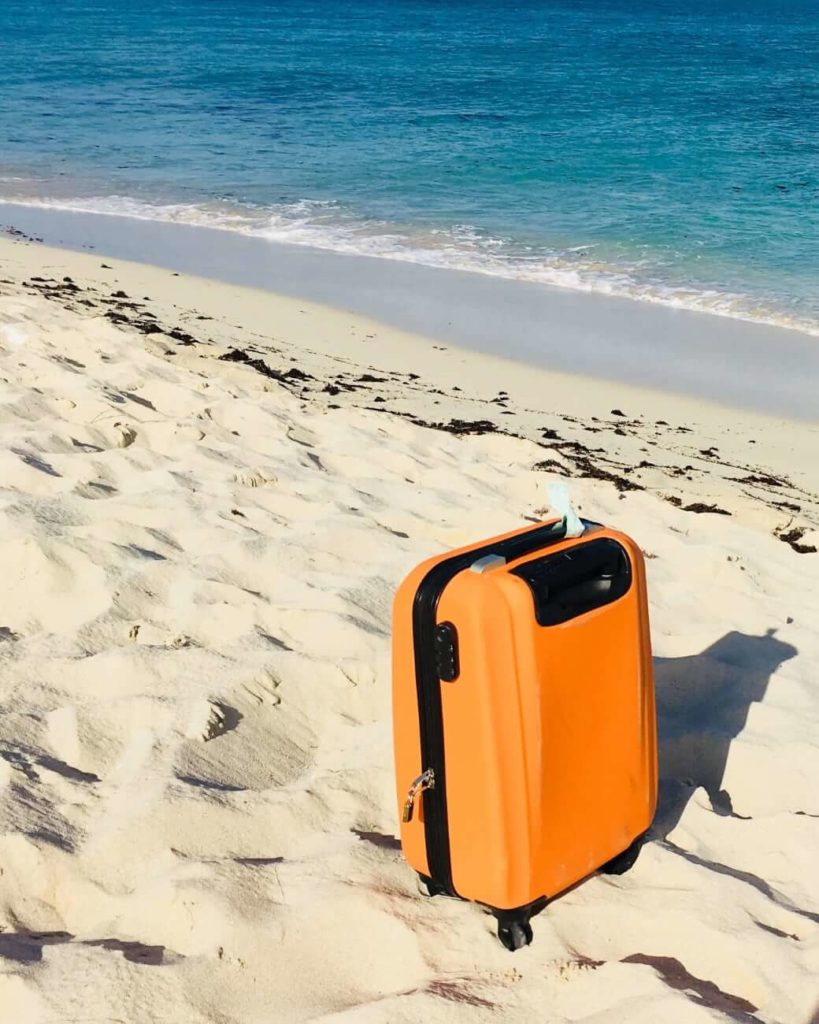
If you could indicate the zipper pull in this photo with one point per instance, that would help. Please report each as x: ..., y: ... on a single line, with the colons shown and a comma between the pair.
x: 426, y: 780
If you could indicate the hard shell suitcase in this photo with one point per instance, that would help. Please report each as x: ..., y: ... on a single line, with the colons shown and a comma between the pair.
x: 524, y: 718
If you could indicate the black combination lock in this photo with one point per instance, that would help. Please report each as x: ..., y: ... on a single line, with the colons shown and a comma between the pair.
x: 446, y: 651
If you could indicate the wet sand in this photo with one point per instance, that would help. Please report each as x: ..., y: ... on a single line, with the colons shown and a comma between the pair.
x: 736, y: 363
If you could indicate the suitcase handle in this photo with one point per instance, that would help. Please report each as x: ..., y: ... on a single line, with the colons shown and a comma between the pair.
x: 574, y: 582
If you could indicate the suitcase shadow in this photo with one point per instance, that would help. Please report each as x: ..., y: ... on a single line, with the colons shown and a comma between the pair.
x: 702, y: 705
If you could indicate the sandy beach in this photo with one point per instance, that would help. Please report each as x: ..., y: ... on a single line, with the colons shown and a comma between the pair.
x: 209, y: 494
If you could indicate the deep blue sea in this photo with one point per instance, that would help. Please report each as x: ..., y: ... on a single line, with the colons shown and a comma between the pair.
x: 665, y: 149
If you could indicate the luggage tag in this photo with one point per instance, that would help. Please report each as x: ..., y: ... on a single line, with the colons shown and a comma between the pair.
x: 560, y: 501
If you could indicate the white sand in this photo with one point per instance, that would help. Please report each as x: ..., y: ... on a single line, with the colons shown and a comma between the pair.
x: 196, y: 794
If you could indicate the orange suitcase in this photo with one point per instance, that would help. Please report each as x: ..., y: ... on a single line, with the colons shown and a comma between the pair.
x: 524, y: 719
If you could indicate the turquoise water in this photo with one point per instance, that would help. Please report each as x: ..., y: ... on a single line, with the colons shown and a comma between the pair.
x: 663, y: 150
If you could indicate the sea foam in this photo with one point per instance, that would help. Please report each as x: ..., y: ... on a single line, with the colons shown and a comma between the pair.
x: 327, y: 225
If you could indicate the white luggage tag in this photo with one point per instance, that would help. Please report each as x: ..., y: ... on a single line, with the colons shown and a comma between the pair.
x: 560, y: 501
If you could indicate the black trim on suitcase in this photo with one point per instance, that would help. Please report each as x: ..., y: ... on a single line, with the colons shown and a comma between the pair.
x: 428, y: 683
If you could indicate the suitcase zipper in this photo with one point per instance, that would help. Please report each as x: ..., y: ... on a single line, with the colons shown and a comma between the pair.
x: 428, y: 686
x: 426, y: 780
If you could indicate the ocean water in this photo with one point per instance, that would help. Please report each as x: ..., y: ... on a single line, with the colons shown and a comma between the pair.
x: 661, y: 149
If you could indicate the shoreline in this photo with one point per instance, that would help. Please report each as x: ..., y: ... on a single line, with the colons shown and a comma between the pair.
x: 689, y: 451
x: 736, y: 363
x: 604, y: 280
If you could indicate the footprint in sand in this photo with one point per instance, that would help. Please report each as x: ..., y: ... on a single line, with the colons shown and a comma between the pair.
x: 212, y: 718
x: 255, y: 478
x: 85, y: 447
x: 36, y: 462
x: 302, y: 435
x: 187, y: 432
x: 94, y: 489
x: 244, y: 741
x: 127, y: 435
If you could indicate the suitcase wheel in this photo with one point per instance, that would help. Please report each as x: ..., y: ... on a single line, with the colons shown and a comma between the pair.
x: 514, y: 929
x: 620, y: 864
x: 427, y: 887
x: 514, y: 934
